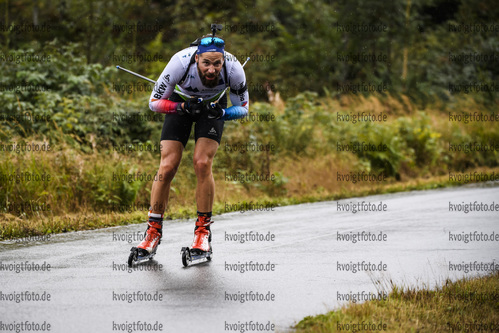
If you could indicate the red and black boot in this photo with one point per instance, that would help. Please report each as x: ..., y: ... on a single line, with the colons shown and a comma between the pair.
x: 147, y: 248
x: 202, y: 234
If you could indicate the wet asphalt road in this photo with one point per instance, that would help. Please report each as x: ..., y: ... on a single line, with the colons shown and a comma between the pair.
x: 308, y: 267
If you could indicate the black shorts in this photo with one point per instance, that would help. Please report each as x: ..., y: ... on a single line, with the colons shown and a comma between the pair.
x: 178, y: 128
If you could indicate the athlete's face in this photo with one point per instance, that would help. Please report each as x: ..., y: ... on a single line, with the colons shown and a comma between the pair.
x: 209, y: 67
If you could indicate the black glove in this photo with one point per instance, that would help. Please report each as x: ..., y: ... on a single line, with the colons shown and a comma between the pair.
x: 193, y: 107
x: 215, y: 111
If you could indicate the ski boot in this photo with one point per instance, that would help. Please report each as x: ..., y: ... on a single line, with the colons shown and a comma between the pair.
x: 147, y: 248
x: 201, y: 250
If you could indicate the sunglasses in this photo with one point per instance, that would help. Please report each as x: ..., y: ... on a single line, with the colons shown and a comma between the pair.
x: 218, y: 42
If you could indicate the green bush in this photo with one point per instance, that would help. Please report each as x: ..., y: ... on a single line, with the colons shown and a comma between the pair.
x: 420, y: 139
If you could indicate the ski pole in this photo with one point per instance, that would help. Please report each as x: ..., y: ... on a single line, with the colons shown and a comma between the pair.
x: 148, y: 79
x: 133, y: 73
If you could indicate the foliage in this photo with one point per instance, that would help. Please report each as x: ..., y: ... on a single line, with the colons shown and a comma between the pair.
x: 67, y: 95
x: 295, y: 45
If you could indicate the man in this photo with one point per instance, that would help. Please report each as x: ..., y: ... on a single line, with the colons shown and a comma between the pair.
x: 202, y: 71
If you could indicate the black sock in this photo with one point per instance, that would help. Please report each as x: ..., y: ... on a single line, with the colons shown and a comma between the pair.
x: 206, y: 215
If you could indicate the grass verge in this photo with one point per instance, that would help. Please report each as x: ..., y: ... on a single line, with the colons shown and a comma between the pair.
x: 467, y: 305
x: 308, y: 152
x: 12, y: 226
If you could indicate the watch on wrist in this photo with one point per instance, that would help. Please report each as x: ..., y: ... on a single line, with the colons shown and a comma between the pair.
x: 179, y: 109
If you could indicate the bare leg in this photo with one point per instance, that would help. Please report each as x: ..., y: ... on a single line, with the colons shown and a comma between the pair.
x: 204, y: 152
x: 171, y: 155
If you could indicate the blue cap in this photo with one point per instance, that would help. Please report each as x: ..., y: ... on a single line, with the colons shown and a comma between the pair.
x: 211, y: 44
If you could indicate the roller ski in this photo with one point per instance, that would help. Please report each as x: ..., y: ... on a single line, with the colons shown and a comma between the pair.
x: 146, y: 250
x: 201, y: 250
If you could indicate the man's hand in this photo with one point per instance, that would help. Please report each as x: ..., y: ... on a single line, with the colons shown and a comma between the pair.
x: 215, y: 111
x: 193, y: 107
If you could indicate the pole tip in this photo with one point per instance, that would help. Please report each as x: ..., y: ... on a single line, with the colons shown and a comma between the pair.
x: 118, y: 67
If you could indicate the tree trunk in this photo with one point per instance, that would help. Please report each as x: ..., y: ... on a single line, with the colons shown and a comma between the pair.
x: 406, y: 50
x: 36, y: 10
x: 90, y: 31
x: 6, y: 32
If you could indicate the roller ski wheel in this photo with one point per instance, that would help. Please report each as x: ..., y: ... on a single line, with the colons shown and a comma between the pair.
x: 193, y: 256
x: 138, y: 256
